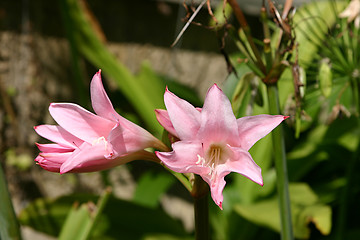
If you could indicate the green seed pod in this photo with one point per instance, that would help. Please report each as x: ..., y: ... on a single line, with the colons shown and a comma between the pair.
x: 325, y: 78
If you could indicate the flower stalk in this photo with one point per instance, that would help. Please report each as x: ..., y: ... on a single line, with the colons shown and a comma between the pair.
x: 200, y: 193
x: 280, y: 167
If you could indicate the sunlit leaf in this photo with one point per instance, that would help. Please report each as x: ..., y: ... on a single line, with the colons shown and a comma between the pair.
x: 305, y: 209
x: 150, y: 187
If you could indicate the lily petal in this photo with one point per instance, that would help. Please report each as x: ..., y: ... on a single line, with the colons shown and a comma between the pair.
x: 253, y: 128
x: 58, y: 158
x: 53, y: 147
x: 218, y: 123
x: 184, y: 117
x: 217, y: 185
x: 49, y: 166
x: 163, y: 118
x: 137, y: 138
x: 80, y: 122
x: 100, y: 100
x: 242, y: 163
x: 59, y: 135
x: 116, y: 139
x: 85, y: 156
x: 184, y: 158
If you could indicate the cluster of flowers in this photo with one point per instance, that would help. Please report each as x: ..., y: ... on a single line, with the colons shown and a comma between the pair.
x: 210, y: 141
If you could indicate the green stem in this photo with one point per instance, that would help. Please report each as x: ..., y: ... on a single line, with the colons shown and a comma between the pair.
x: 9, y: 226
x: 244, y: 25
x: 100, y: 207
x: 200, y: 194
x: 281, y: 168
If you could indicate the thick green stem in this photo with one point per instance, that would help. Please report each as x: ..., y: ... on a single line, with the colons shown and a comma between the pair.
x: 9, y: 226
x: 281, y: 168
x: 200, y: 193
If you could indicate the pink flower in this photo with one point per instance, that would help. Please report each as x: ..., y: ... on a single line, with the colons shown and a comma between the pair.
x: 212, y: 142
x: 85, y: 142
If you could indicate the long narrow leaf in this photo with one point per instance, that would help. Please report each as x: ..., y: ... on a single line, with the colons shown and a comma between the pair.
x: 9, y: 227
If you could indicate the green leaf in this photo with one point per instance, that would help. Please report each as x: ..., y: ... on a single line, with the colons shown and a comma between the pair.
x: 81, y: 220
x: 232, y: 80
x: 242, y: 90
x: 150, y: 188
x: 76, y: 223
x: 9, y: 226
x: 119, y: 219
x: 312, y: 22
x: 305, y: 209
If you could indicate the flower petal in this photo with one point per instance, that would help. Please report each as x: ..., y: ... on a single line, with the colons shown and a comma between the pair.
x: 184, y: 117
x: 252, y: 128
x: 85, y: 156
x: 184, y: 158
x: 47, y: 165
x: 58, y: 158
x: 116, y: 139
x: 92, y: 158
x: 58, y: 135
x: 80, y: 122
x: 242, y: 162
x: 163, y: 118
x: 217, y: 184
x: 136, y: 138
x: 52, y: 148
x: 100, y: 100
x: 218, y: 123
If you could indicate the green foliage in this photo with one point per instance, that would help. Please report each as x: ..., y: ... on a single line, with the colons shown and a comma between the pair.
x: 320, y: 162
x: 119, y: 218
x: 305, y: 208
x: 81, y: 220
x: 150, y: 187
x: 9, y: 226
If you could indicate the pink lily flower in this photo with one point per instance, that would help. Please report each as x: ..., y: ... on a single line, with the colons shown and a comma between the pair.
x: 212, y: 142
x: 86, y: 142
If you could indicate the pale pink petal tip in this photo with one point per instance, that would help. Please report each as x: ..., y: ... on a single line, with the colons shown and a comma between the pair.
x: 286, y: 117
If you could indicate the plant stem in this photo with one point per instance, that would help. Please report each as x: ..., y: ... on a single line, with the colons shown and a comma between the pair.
x: 281, y: 168
x: 200, y: 194
x: 244, y: 25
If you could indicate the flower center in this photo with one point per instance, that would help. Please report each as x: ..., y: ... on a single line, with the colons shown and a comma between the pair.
x: 215, y: 155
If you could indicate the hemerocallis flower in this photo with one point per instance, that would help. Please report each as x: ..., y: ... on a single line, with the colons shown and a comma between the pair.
x: 212, y: 142
x: 86, y: 142
x: 352, y: 12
